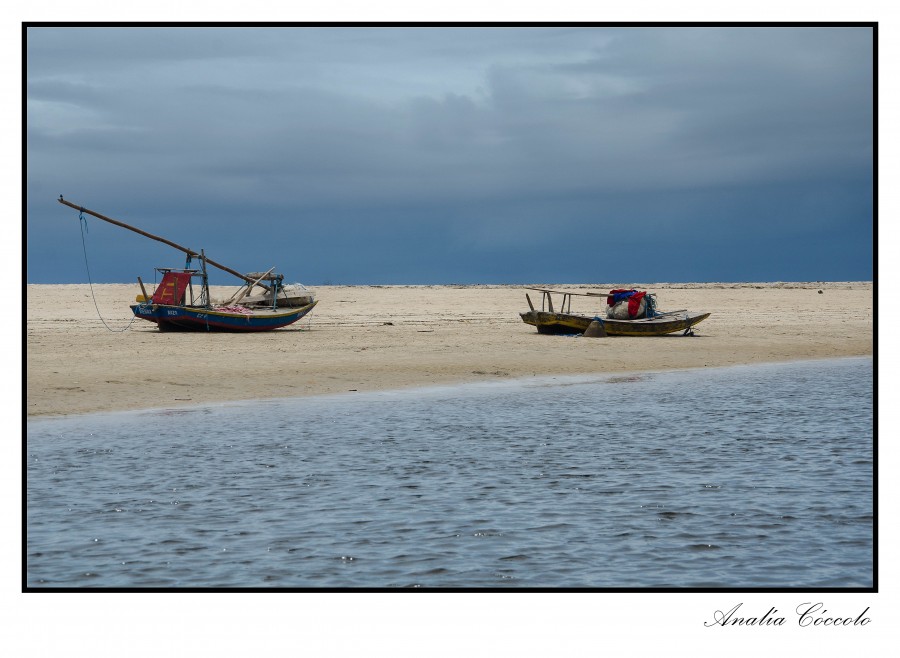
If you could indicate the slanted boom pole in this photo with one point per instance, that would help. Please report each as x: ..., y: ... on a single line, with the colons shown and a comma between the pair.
x: 189, y: 252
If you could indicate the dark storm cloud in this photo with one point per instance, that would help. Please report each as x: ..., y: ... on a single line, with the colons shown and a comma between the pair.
x: 401, y: 151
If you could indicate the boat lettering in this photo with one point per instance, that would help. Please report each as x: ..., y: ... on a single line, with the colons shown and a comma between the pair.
x: 172, y: 312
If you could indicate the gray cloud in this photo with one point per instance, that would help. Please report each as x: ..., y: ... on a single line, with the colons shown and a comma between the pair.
x: 487, y: 137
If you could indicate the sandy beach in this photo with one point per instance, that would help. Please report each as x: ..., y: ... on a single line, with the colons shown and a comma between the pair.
x: 365, y: 338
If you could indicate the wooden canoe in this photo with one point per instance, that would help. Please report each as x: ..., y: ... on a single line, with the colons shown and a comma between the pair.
x: 549, y: 321
x: 567, y: 323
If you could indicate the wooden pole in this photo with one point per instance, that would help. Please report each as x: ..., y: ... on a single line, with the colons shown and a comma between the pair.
x: 580, y: 294
x: 189, y: 252
x: 248, y: 288
x: 143, y: 290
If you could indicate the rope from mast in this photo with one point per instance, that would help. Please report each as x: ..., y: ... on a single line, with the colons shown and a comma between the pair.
x: 83, y: 222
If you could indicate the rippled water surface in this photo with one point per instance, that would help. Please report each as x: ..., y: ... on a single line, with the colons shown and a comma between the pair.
x: 737, y: 477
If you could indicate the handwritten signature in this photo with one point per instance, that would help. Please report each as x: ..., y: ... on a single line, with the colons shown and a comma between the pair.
x: 807, y: 615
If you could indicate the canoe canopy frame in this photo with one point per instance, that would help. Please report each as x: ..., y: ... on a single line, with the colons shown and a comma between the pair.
x: 566, y: 305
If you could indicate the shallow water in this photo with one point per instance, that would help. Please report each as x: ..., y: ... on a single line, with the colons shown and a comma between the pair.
x: 735, y: 477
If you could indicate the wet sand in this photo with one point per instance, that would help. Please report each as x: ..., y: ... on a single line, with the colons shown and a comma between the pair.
x: 365, y: 338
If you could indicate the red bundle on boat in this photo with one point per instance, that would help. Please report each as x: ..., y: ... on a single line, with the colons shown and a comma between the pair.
x: 633, y: 296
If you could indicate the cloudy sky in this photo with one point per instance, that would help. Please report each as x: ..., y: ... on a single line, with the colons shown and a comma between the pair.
x: 454, y: 155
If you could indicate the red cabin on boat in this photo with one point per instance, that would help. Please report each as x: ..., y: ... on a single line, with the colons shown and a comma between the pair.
x: 172, y: 288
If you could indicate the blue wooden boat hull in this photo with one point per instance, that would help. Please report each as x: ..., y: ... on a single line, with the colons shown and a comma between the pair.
x: 196, y: 318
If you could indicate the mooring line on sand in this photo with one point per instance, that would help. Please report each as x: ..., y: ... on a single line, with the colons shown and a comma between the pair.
x: 83, y: 222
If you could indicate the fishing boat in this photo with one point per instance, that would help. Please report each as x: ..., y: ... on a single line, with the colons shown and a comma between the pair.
x: 548, y: 320
x: 173, y: 307
x: 181, y: 301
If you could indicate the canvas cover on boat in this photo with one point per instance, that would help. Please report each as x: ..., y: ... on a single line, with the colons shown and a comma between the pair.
x: 172, y: 288
x: 626, y: 304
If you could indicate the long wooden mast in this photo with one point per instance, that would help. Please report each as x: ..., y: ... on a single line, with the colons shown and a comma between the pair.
x: 189, y: 252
